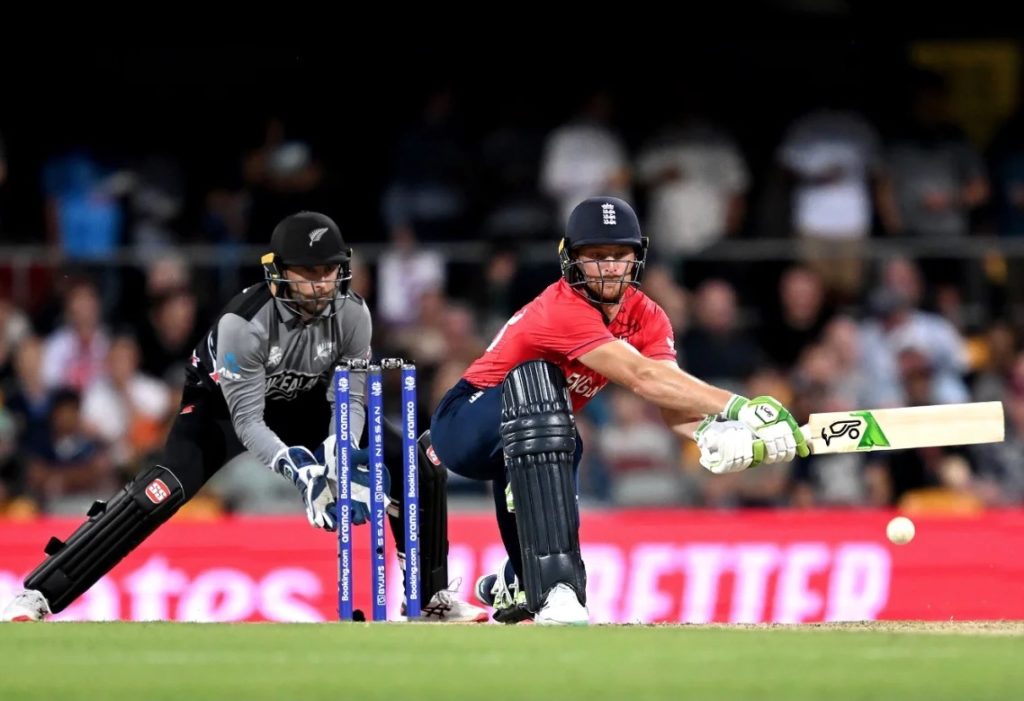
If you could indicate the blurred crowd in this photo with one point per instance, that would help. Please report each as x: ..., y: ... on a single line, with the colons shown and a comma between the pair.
x: 92, y: 354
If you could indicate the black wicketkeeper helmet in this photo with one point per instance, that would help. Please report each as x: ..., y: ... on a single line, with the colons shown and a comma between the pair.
x: 307, y: 239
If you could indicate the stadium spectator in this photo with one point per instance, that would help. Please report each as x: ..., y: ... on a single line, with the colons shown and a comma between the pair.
x: 75, y: 354
x: 585, y: 157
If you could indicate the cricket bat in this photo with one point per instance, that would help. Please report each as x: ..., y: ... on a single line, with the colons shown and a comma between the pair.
x: 910, y: 427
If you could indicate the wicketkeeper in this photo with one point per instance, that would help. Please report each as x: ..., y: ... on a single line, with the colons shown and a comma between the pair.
x: 259, y: 381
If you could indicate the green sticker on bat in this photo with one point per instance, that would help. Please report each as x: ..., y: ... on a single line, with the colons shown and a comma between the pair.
x: 871, y: 434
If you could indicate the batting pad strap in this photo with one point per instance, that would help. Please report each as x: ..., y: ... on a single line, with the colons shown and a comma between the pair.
x: 548, y: 432
x: 538, y: 435
x: 111, y: 532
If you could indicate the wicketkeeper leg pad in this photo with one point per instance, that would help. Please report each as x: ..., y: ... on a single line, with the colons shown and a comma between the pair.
x: 112, y: 531
x: 538, y: 435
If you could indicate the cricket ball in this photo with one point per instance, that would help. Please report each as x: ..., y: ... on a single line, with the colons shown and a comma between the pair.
x: 900, y: 530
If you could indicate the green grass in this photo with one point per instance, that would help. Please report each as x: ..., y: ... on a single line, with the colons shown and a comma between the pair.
x: 191, y: 662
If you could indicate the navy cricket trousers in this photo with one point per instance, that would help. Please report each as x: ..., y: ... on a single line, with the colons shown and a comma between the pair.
x: 465, y: 432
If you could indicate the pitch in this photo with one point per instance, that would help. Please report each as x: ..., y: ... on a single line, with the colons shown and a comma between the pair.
x: 131, y: 661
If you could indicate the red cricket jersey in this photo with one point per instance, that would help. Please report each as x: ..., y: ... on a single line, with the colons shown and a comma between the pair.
x: 559, y: 325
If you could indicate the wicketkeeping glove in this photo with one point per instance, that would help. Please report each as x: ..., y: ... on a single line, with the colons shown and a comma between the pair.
x: 360, y: 489
x: 310, y: 477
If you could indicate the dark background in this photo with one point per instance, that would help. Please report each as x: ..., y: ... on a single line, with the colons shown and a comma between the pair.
x: 208, y: 105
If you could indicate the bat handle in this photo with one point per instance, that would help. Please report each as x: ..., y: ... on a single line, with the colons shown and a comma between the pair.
x: 806, y: 430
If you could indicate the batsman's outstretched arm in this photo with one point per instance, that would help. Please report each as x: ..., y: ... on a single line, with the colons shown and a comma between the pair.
x: 686, y: 399
x: 680, y: 423
x: 662, y: 383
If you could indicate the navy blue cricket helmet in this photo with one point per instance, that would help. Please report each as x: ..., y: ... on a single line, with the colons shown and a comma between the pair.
x: 601, y: 220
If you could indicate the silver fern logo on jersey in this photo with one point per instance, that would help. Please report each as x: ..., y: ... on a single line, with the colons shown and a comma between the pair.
x: 324, y: 349
x: 316, y: 234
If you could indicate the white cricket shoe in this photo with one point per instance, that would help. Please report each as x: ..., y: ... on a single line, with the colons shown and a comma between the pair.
x: 29, y: 605
x: 562, y: 608
x: 443, y: 607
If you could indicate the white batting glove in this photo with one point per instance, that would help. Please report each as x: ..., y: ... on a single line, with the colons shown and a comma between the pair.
x: 727, y: 446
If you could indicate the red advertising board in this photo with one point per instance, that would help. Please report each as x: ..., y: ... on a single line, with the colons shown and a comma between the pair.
x: 643, y: 566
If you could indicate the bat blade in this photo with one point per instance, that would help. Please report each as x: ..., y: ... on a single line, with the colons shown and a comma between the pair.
x: 910, y: 427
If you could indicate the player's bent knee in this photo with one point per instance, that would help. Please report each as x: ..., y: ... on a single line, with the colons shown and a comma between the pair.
x: 539, y: 440
x: 535, y: 412
x: 112, y: 531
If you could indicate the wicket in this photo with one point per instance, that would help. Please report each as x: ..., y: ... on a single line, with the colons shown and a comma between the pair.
x: 410, y: 486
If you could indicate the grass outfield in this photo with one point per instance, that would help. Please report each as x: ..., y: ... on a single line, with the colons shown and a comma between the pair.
x: 192, y: 662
